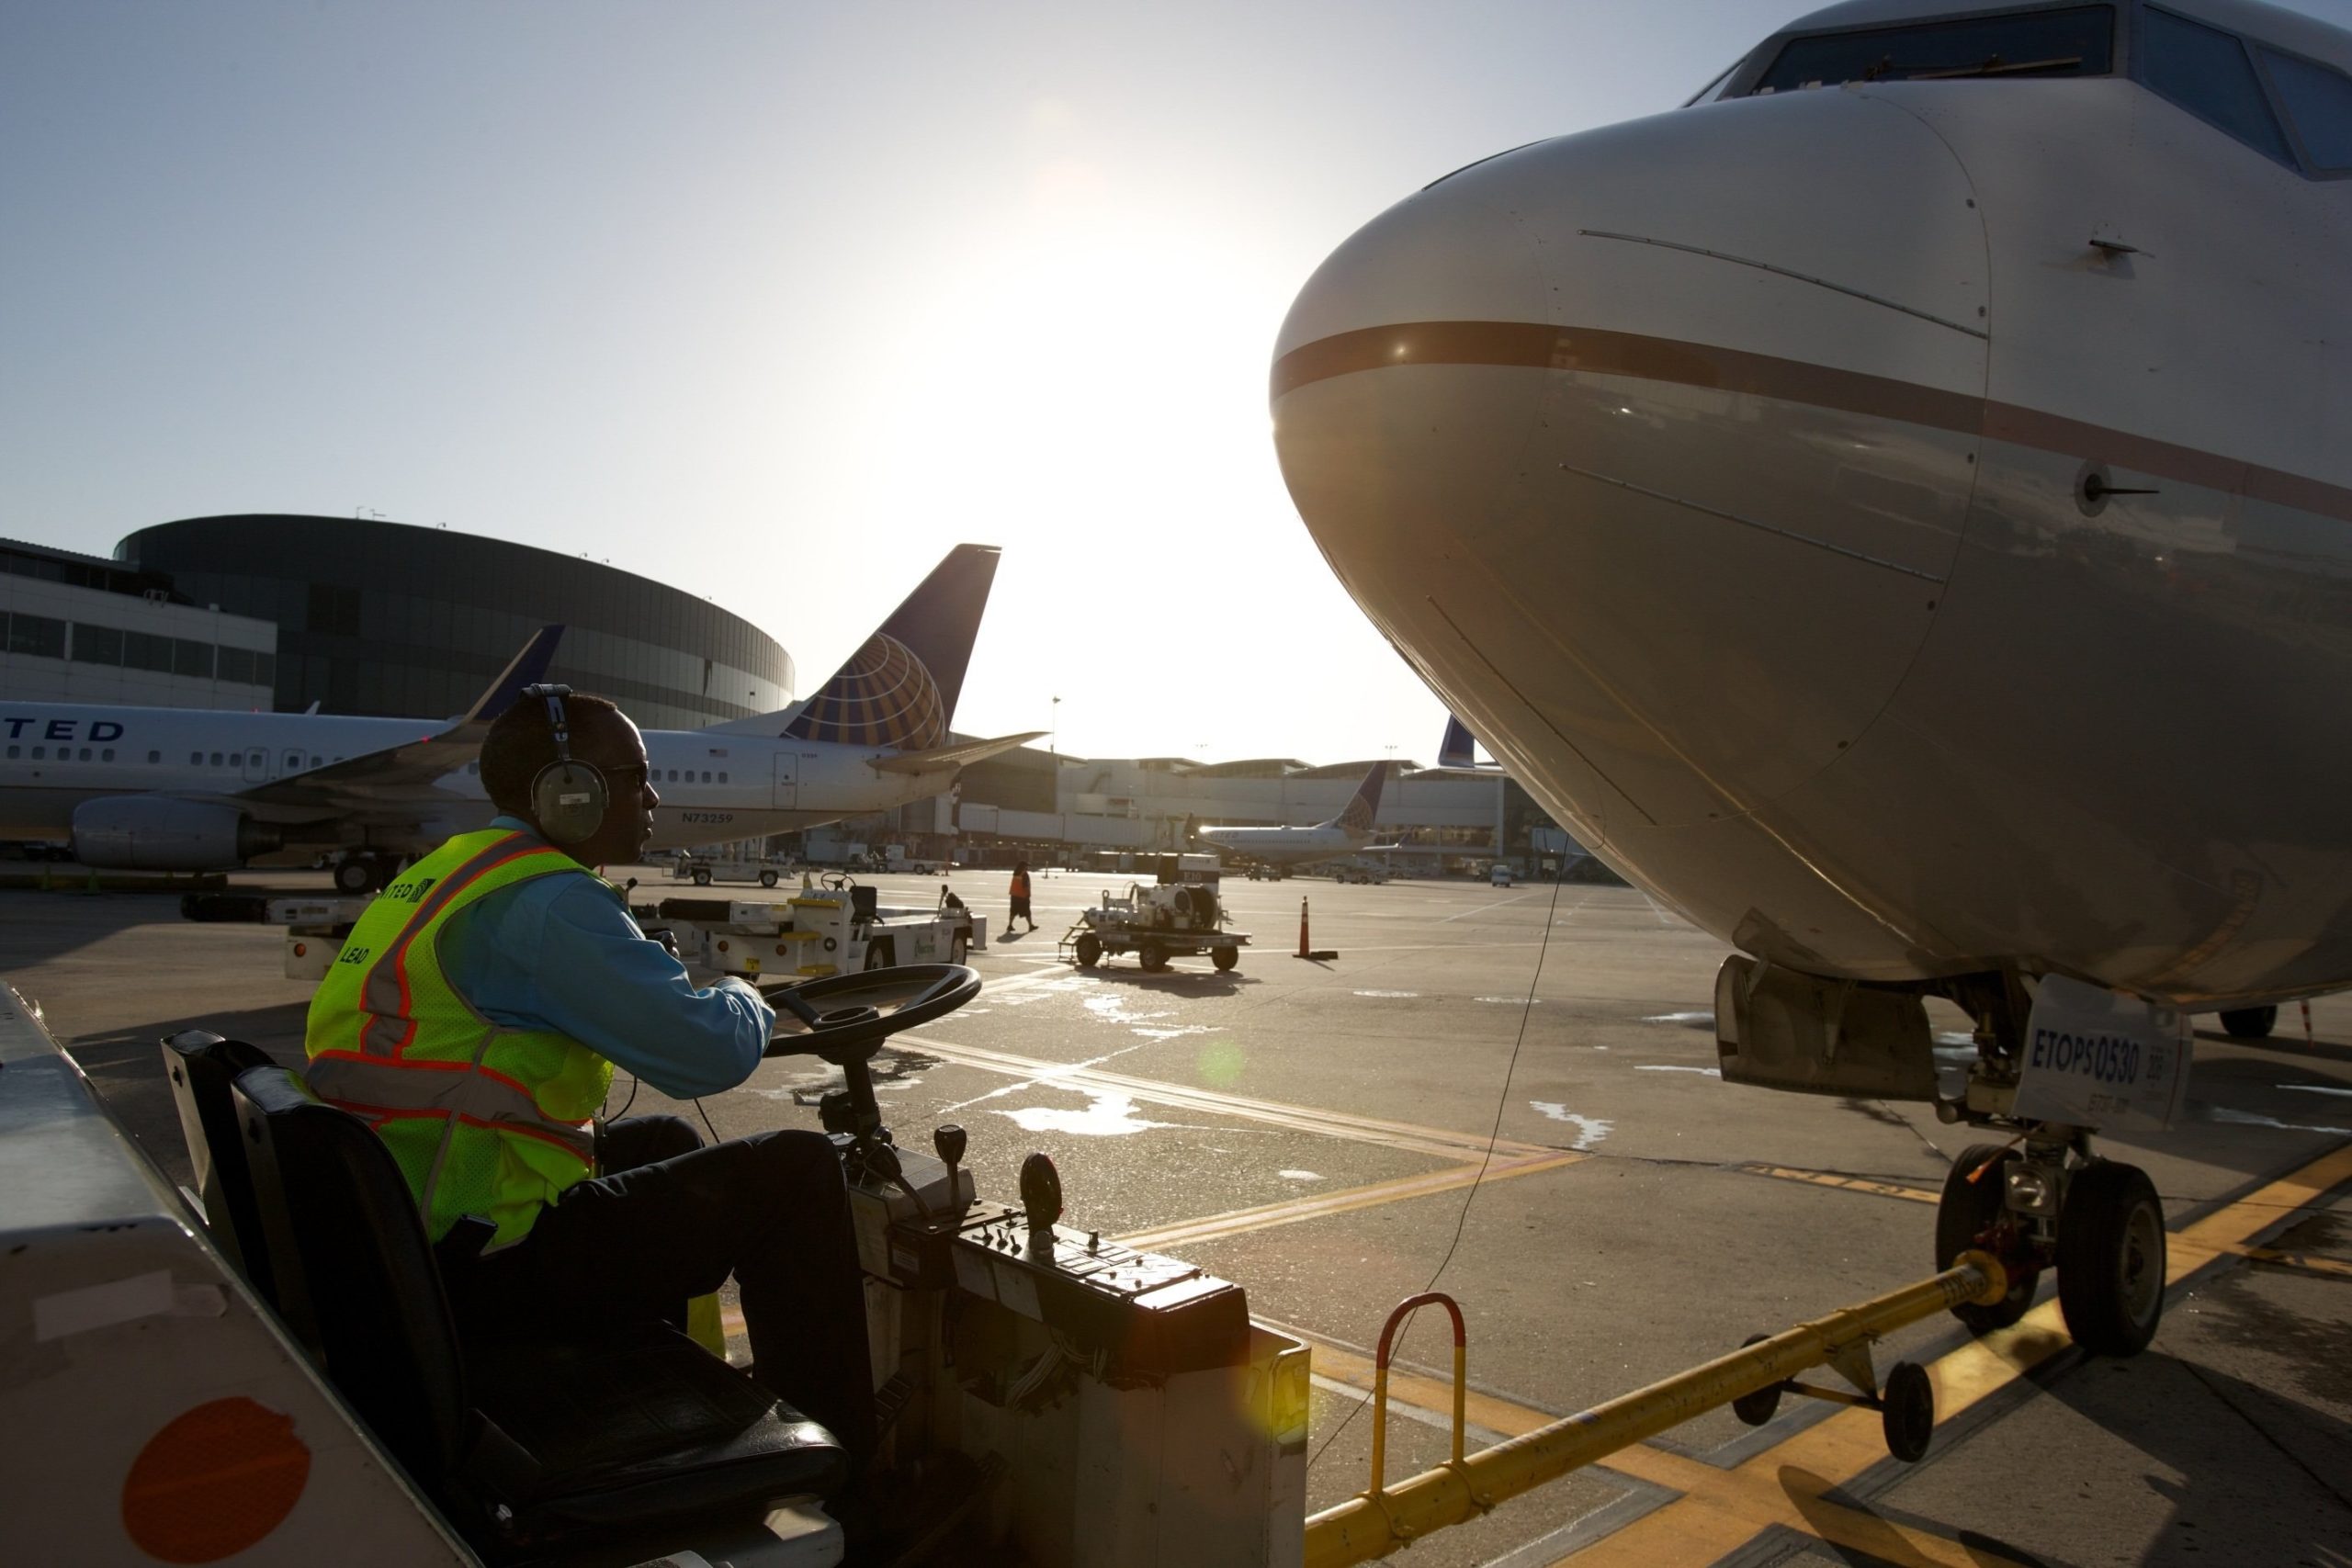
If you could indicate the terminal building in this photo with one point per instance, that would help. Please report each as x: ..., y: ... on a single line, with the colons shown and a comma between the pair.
x: 77, y: 629
x: 276, y: 611
x: 390, y: 619
x: 1031, y: 804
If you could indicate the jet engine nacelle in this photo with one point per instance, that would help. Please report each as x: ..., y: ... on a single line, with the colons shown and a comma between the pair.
x: 145, y: 832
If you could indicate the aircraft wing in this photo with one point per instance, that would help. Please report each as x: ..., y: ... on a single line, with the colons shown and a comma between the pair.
x: 956, y: 756
x: 380, y: 778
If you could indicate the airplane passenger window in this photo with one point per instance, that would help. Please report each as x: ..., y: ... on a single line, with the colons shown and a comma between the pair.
x: 155, y: 756
x: 216, y: 759
x: 2319, y: 106
x: 86, y: 753
x: 106, y: 755
x: 196, y: 759
x: 722, y: 777
x: 315, y: 761
x: 41, y: 753
x: 12, y: 753
x: 294, y: 759
x: 2079, y: 41
x: 2206, y: 72
x: 705, y: 777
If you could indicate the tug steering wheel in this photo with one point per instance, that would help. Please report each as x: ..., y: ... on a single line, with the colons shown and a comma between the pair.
x: 867, y: 1009
x: 845, y: 1018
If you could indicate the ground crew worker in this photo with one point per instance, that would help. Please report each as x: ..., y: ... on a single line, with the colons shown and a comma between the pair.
x: 1019, y: 898
x: 475, y: 1017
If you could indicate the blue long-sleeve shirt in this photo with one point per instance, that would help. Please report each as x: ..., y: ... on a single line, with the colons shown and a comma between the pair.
x: 561, y: 952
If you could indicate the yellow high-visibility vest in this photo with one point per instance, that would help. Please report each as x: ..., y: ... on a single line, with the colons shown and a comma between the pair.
x: 484, y: 1119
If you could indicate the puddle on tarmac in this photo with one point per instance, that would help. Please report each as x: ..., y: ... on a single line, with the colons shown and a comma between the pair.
x: 1671, y: 1068
x: 1512, y: 1001
x: 1299, y: 1175
x: 1114, y: 1008
x: 1106, y: 1116
x: 1590, y: 1130
x: 889, y: 1068
x: 1399, y: 996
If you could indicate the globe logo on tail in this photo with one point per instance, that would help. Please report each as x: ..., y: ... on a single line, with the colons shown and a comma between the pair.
x: 882, y: 697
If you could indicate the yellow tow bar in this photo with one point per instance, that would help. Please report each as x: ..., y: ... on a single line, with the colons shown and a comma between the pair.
x: 1377, y: 1521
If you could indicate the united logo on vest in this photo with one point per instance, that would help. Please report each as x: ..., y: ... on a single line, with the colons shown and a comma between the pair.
x: 484, y: 1119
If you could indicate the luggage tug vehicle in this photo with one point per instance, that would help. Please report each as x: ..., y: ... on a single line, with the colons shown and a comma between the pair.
x: 296, y: 1389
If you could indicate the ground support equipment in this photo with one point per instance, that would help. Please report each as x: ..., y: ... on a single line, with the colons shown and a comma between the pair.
x: 1384, y: 1519
x: 1175, y: 919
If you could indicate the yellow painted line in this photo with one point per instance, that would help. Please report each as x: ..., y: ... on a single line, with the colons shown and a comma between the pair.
x: 1731, y: 1512
x: 1265, y: 1216
x: 2334, y: 1268
x: 1844, y: 1183
x: 1406, y: 1135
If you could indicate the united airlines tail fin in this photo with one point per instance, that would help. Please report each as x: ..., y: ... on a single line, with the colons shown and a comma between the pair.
x: 1358, y: 815
x: 1459, y: 749
x: 899, y: 688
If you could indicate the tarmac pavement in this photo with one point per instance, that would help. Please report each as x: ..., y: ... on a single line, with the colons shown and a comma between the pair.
x: 1510, y: 1092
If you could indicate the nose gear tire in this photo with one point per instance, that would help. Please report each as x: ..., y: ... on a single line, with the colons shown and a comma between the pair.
x: 2111, y: 1260
x: 1965, y: 1211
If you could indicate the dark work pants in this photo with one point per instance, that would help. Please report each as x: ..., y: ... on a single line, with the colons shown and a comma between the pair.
x: 671, y: 1219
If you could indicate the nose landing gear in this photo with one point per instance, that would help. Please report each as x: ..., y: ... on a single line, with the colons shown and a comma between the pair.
x: 2054, y: 1205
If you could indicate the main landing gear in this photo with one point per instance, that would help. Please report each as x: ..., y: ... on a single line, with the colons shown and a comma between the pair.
x: 365, y: 871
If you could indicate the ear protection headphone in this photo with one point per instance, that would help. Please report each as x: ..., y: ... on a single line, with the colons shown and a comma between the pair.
x: 567, y: 796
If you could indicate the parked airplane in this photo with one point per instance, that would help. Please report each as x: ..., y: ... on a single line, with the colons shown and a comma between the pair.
x: 1894, y: 510
x: 186, y: 789
x: 1348, y: 831
x: 1459, y: 749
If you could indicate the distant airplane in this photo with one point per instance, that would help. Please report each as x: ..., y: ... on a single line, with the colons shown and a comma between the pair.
x: 1348, y: 831
x: 182, y: 789
x: 1459, y: 749
x: 1897, y: 510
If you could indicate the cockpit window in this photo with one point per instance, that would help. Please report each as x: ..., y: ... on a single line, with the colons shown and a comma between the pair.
x: 2318, y: 100
x: 2078, y: 42
x: 2206, y: 72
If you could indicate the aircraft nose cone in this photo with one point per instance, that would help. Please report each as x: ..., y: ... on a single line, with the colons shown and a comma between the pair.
x: 1651, y: 446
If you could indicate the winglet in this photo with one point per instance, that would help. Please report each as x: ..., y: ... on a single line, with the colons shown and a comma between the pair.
x: 527, y: 668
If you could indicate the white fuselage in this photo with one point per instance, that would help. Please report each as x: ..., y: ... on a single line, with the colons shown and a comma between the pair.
x: 1725, y: 472
x: 54, y: 756
x: 1286, y: 846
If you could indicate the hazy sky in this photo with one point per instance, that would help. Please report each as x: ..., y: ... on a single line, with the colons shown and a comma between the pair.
x: 773, y: 302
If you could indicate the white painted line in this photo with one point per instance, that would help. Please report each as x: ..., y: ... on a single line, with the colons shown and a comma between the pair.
x: 1482, y: 909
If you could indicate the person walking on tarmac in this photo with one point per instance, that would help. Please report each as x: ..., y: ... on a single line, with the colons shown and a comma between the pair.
x: 475, y: 1017
x: 1020, y: 897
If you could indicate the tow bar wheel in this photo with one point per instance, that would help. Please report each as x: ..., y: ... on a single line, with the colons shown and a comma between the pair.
x: 1907, y: 1411
x: 2111, y: 1258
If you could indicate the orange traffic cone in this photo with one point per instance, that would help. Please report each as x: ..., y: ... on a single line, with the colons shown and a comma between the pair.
x: 1303, y: 949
